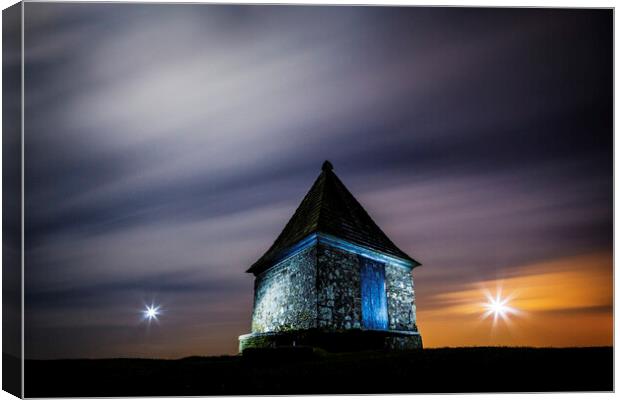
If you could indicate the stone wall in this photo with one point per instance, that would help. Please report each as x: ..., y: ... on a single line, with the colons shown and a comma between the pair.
x: 401, y: 298
x: 394, y: 342
x: 339, y: 296
x: 320, y: 288
x: 338, y: 283
x: 285, y: 296
x: 333, y: 341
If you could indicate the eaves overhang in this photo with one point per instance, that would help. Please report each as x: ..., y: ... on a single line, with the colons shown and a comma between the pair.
x: 332, y: 241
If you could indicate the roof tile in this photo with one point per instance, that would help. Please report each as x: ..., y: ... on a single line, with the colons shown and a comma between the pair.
x: 330, y: 208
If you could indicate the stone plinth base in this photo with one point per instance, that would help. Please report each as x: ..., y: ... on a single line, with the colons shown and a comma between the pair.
x: 348, y: 340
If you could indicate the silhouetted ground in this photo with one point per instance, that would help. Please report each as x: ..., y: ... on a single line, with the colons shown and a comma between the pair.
x: 447, y: 370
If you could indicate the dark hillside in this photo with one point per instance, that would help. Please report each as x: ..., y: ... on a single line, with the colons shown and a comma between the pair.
x: 447, y: 370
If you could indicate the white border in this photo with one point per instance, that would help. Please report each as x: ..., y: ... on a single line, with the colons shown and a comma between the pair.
x: 479, y: 3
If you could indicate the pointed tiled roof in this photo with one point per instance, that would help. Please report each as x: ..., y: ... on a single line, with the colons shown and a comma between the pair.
x: 330, y: 208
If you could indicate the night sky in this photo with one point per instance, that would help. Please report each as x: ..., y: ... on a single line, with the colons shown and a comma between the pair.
x: 167, y: 146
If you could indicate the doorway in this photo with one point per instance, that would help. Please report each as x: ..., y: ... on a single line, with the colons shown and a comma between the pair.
x: 374, y: 297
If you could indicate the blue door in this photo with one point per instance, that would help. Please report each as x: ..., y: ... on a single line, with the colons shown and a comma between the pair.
x: 374, y: 298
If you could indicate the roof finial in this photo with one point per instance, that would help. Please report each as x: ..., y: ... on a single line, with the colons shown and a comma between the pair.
x: 327, y: 166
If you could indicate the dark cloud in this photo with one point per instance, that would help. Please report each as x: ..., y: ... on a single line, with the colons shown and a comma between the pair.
x: 168, y: 144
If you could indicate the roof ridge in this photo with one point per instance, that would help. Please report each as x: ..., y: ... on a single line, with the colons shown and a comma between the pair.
x: 326, y: 168
x: 330, y: 208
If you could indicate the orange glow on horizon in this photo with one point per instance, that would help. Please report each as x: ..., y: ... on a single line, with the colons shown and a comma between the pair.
x: 565, y: 302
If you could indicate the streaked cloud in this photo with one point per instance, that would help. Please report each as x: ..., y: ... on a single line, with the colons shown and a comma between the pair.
x: 168, y: 145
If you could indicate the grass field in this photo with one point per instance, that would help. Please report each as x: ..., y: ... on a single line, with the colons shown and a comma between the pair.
x: 446, y: 370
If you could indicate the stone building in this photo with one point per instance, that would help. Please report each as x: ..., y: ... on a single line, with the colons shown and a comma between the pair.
x: 332, y: 279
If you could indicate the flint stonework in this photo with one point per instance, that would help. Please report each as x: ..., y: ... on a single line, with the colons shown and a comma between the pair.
x: 285, y: 296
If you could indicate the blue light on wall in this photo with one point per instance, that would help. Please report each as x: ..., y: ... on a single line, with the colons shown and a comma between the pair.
x: 315, y: 238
